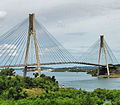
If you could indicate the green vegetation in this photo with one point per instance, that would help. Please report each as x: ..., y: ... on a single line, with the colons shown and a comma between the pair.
x: 114, y: 70
x: 93, y: 72
x: 16, y: 90
x: 17, y: 87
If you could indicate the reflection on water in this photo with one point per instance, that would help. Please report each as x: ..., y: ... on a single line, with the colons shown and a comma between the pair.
x: 81, y: 80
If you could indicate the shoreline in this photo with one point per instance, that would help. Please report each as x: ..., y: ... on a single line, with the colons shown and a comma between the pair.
x: 44, y: 70
x: 109, y: 76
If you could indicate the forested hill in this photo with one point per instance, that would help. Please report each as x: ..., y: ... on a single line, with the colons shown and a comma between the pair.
x: 74, y: 69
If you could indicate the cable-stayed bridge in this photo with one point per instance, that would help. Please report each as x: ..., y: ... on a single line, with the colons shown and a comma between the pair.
x: 30, y: 44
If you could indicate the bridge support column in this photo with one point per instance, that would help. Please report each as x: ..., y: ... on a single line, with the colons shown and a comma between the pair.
x: 102, y: 46
x: 32, y: 32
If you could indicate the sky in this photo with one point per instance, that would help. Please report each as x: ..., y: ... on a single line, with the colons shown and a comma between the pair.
x: 76, y: 24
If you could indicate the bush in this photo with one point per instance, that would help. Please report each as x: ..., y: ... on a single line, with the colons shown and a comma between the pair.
x: 35, y: 74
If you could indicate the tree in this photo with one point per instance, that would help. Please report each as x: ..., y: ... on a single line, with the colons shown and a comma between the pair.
x: 7, y: 72
x: 35, y: 74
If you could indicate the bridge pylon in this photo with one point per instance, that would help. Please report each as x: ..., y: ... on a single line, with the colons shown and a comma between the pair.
x: 102, y: 46
x: 31, y: 31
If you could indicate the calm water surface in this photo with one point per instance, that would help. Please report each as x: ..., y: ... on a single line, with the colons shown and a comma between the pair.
x: 81, y: 80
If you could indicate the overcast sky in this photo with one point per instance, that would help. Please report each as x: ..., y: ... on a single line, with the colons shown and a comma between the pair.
x: 76, y: 24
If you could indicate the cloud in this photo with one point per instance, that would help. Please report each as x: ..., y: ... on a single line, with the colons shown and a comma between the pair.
x: 60, y: 24
x: 76, y: 33
x: 82, y: 20
x: 8, y: 49
x: 13, y: 53
x: 3, y: 14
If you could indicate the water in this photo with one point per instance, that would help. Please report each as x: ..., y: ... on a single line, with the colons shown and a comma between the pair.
x: 81, y: 80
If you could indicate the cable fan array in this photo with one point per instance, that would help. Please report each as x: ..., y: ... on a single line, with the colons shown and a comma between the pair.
x: 13, y: 46
x: 92, y: 54
x: 14, y: 42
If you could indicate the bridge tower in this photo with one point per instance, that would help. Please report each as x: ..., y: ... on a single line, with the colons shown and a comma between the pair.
x: 102, y: 46
x: 32, y: 31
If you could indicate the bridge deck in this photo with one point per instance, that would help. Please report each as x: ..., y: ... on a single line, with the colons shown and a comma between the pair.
x: 84, y: 63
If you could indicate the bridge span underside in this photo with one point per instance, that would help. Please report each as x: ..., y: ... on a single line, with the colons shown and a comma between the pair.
x: 58, y: 63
